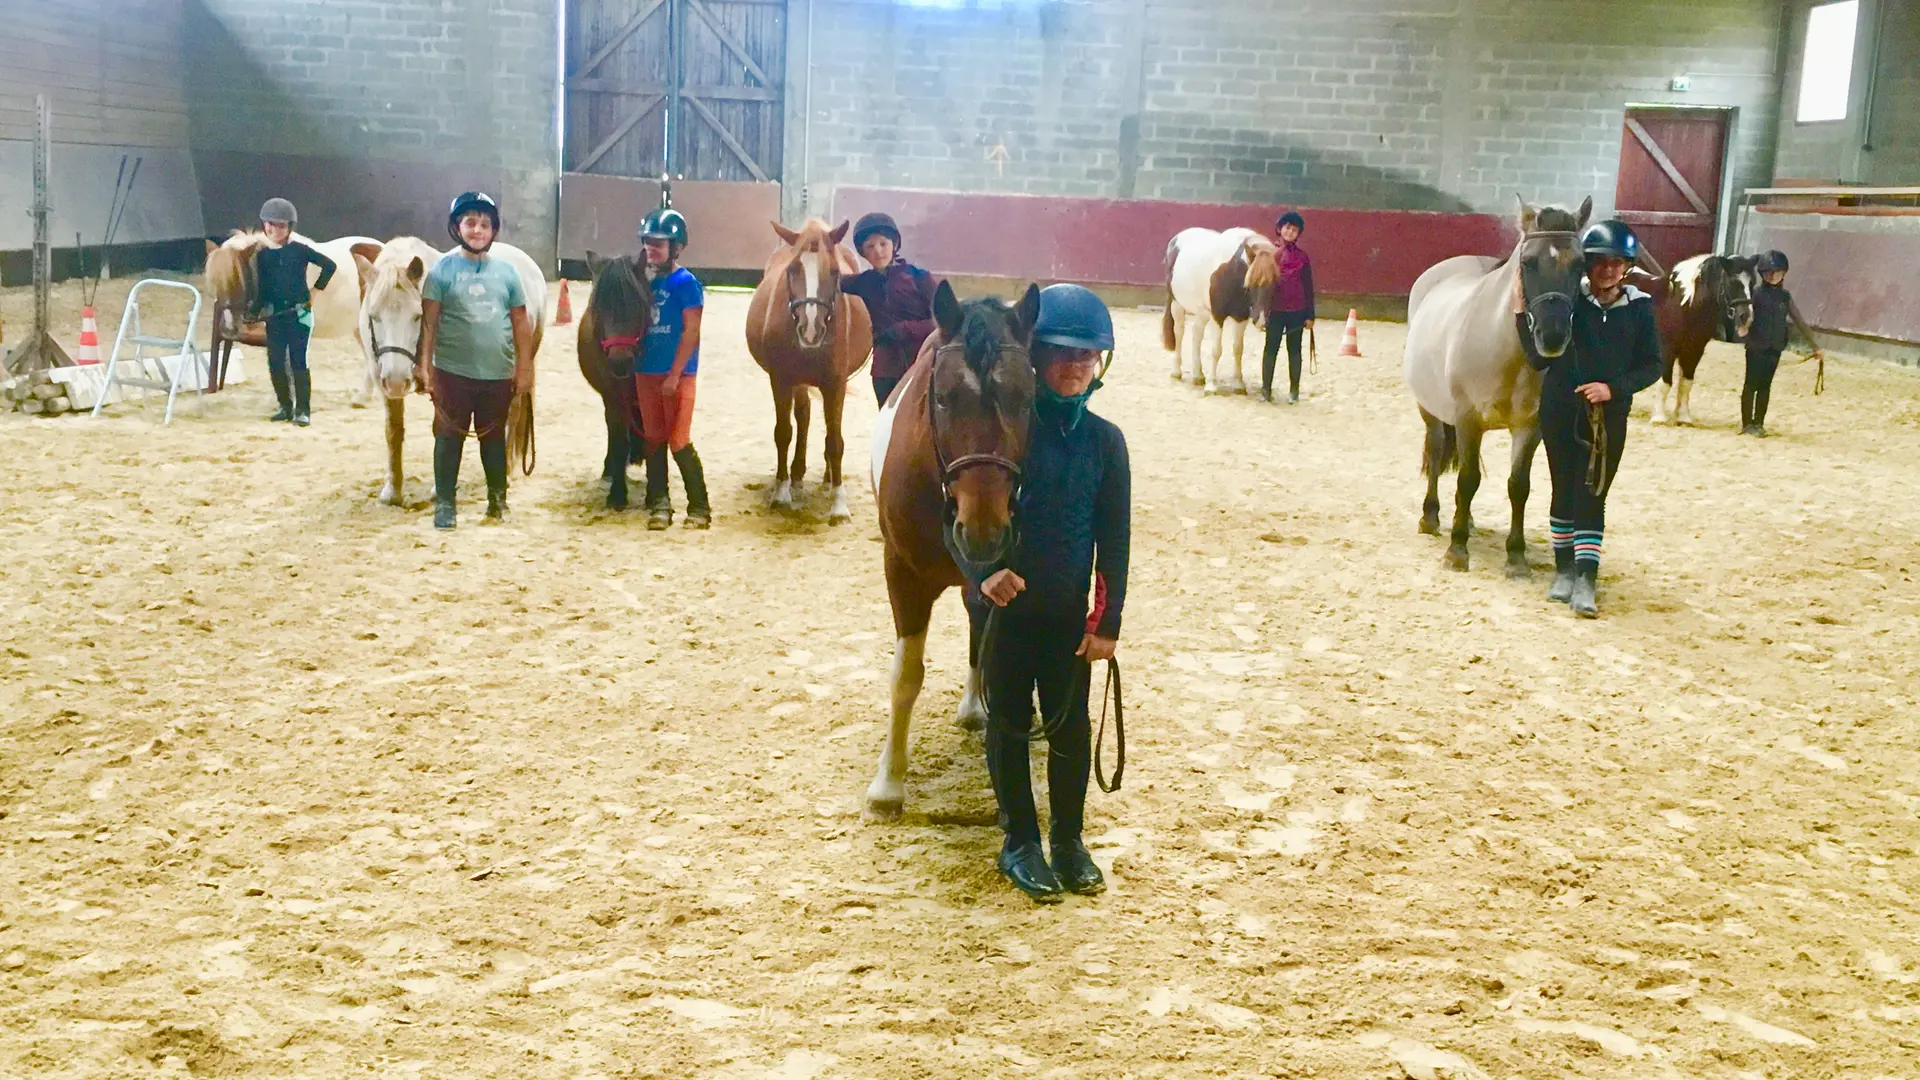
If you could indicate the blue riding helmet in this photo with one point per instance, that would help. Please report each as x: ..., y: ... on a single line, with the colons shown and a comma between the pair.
x: 1611, y: 238
x: 1072, y: 317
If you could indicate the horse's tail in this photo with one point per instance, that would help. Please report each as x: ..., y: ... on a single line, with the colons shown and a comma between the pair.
x: 520, y: 447
x: 1440, y: 454
x: 1167, y: 339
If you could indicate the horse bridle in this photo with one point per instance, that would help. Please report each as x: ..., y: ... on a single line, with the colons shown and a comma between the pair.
x: 1535, y: 301
x: 950, y: 470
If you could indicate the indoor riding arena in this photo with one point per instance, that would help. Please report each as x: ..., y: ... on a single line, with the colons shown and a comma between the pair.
x: 296, y: 784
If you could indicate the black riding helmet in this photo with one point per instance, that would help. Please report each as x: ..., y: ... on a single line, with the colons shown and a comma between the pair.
x: 466, y: 203
x: 1612, y: 238
x: 875, y: 224
x: 1772, y: 260
x: 279, y: 210
x: 1293, y: 218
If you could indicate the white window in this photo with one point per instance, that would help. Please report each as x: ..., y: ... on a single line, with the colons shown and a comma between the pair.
x: 1826, y: 69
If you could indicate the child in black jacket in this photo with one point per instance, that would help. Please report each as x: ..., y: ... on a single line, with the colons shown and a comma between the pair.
x: 1773, y: 306
x: 285, y: 302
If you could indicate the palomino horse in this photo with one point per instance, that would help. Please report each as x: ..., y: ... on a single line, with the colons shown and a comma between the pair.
x: 1217, y: 283
x: 803, y: 331
x: 1704, y: 298
x: 615, y: 325
x: 1469, y: 374
x: 389, y: 320
x: 948, y: 448
x: 231, y: 280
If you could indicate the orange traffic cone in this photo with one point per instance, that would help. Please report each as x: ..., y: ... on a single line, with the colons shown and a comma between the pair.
x: 89, y: 338
x: 1350, y: 339
x: 565, y: 314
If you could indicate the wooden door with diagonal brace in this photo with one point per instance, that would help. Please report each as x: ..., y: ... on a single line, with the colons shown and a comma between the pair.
x: 1669, y: 186
x: 690, y: 88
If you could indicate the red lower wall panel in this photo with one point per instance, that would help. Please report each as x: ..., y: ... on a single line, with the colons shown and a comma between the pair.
x: 1124, y: 242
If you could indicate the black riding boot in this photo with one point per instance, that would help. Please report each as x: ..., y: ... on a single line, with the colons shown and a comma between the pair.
x: 1585, y: 580
x: 446, y: 476
x: 1563, y: 575
x: 1268, y: 360
x: 659, y: 503
x: 282, y: 391
x: 694, y: 478
x: 493, y: 461
x: 302, y: 398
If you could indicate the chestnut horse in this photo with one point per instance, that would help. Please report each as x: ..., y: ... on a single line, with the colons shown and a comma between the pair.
x: 803, y: 331
x: 1705, y: 298
x: 619, y: 313
x: 948, y: 449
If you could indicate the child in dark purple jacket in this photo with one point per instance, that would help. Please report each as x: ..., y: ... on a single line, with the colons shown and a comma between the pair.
x: 1292, y: 309
x: 899, y: 299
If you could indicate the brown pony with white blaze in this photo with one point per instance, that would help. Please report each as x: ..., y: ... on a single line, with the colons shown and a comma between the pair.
x: 803, y: 331
x: 948, y: 450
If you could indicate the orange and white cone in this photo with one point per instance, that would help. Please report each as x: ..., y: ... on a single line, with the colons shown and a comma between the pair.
x: 564, y: 314
x: 1350, y: 338
x: 89, y: 338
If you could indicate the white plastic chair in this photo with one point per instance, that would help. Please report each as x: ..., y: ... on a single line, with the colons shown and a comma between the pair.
x: 185, y: 361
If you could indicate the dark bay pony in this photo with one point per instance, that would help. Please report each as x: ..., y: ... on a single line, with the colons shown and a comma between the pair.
x: 1705, y: 298
x: 1469, y: 374
x: 948, y: 448
x: 618, y: 315
x: 803, y: 331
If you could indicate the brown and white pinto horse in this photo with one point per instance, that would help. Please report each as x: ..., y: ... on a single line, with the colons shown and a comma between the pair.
x: 948, y: 449
x: 803, y: 331
x: 1218, y: 283
x: 1705, y: 298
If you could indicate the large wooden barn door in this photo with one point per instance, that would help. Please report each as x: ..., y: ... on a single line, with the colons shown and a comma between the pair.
x: 1669, y: 186
x: 686, y: 87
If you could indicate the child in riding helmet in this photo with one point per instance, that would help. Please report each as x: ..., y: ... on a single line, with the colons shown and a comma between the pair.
x: 1584, y: 399
x: 283, y: 299
x: 1292, y: 307
x: 899, y: 299
x: 1073, y: 511
x: 1773, y: 306
x: 664, y: 375
x: 477, y: 344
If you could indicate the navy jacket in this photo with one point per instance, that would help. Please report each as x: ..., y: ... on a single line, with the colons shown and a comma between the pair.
x: 1617, y: 345
x: 1774, y: 315
x: 283, y: 276
x: 1074, y: 516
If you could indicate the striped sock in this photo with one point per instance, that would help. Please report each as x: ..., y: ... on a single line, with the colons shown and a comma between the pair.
x: 1586, y: 547
x: 1560, y: 532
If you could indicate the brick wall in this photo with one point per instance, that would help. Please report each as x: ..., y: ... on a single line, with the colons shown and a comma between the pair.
x: 1401, y: 104
x: 372, y: 114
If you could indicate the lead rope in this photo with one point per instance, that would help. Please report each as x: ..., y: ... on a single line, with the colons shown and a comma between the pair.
x: 1049, y: 726
x: 1313, y: 353
x: 1597, y: 478
x: 1111, y: 692
x: 1820, y: 377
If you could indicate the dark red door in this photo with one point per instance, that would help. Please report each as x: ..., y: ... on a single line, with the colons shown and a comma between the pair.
x: 1669, y: 188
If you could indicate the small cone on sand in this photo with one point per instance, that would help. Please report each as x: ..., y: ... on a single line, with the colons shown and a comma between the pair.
x: 565, y: 314
x: 1350, y: 338
x: 89, y: 352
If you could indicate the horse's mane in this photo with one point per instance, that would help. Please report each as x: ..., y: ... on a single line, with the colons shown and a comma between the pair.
x: 1263, y: 266
x: 1555, y: 219
x: 979, y: 331
x: 1689, y: 275
x: 619, y: 285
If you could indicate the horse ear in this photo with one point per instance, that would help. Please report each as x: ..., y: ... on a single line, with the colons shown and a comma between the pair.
x: 416, y: 270
x: 594, y: 263
x: 1586, y: 211
x: 946, y: 312
x: 840, y: 233
x: 366, y: 271
x: 212, y: 247
x: 1527, y: 213
x: 1028, y: 311
x: 787, y: 235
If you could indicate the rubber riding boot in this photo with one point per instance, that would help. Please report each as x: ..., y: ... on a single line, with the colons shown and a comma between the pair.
x: 493, y: 461
x: 659, y: 503
x: 1026, y: 866
x: 1073, y: 864
x: 302, y: 398
x: 1562, y: 590
x: 1759, y: 430
x: 283, y: 391
x: 1293, y: 397
x: 693, y: 477
x: 1583, y: 601
x: 446, y: 477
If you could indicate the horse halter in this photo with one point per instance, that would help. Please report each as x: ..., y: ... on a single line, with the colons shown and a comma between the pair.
x: 827, y: 305
x: 950, y: 471
x: 627, y: 341
x: 379, y: 350
x: 1555, y: 294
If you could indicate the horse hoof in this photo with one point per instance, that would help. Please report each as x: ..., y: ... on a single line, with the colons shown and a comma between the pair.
x: 840, y: 517
x: 1456, y: 559
x: 885, y: 805
x: 617, y: 502
x: 972, y: 719
x: 1430, y: 526
x: 1519, y: 571
x: 391, y: 497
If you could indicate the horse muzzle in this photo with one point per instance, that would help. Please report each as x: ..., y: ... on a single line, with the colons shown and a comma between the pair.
x: 812, y: 320
x: 1550, y: 321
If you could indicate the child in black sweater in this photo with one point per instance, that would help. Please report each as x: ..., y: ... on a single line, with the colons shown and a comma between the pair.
x: 280, y: 266
x: 1773, y: 306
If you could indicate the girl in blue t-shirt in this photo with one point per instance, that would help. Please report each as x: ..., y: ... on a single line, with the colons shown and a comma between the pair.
x: 664, y: 377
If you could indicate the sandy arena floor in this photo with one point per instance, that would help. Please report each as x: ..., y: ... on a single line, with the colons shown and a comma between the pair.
x: 292, y: 785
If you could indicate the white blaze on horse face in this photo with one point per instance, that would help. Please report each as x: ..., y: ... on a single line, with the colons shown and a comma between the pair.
x: 811, y: 314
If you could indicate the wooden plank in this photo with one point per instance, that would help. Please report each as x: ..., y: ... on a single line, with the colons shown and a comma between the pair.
x: 633, y: 25
x: 1864, y: 192
x: 719, y: 93
x: 726, y: 136
x: 606, y: 144
x: 1666, y: 166
x: 746, y: 58
x: 1664, y: 217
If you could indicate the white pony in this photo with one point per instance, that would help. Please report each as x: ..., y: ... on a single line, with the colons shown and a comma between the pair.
x: 389, y: 324
x: 1217, y: 282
